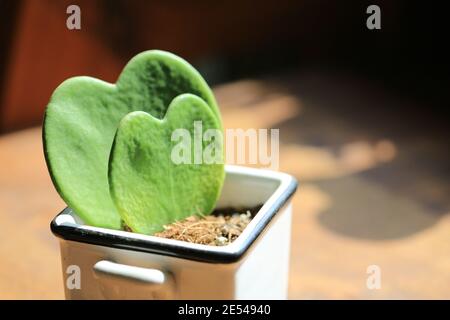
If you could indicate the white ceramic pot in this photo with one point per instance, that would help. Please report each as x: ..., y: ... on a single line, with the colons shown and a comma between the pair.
x: 123, y: 265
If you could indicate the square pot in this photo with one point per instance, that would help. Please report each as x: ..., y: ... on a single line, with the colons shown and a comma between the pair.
x: 112, y: 264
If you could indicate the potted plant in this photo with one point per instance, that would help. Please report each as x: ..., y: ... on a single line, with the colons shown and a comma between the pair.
x: 117, y: 156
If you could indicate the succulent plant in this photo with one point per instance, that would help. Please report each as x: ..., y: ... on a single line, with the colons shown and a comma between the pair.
x: 107, y: 146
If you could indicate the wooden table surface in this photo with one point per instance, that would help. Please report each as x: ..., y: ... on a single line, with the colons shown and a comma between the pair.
x: 360, y: 202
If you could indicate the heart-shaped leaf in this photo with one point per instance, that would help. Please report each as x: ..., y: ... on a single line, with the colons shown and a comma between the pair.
x: 82, y: 118
x: 148, y: 185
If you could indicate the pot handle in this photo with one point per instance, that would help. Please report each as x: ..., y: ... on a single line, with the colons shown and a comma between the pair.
x: 121, y: 281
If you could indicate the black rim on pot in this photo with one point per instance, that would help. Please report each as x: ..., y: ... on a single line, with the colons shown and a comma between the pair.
x: 129, y: 241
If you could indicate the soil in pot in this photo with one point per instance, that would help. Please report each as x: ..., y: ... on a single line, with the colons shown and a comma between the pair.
x: 220, y: 228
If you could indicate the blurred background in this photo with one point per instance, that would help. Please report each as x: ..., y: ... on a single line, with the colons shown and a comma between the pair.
x: 363, y: 119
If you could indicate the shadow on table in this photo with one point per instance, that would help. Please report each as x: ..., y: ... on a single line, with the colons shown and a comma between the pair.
x: 380, y: 159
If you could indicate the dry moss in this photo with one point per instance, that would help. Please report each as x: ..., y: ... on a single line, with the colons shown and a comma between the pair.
x: 214, y: 230
x: 220, y: 228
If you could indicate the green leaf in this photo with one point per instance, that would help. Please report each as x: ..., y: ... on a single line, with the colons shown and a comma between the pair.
x: 148, y: 187
x: 82, y: 117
